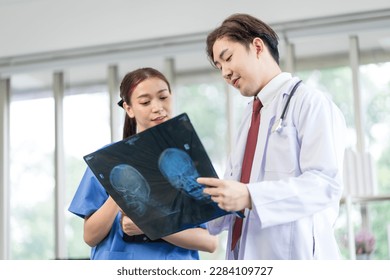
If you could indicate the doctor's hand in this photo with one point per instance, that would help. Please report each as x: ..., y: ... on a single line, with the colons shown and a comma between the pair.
x: 129, y: 227
x: 229, y: 195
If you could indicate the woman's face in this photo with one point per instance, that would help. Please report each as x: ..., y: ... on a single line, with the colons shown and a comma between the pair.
x: 150, y: 103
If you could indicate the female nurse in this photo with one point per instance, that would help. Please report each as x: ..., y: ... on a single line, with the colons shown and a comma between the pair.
x: 146, y: 97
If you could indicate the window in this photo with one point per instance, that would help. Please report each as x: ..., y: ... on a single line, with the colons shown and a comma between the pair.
x: 206, y: 104
x: 86, y: 129
x: 31, y: 174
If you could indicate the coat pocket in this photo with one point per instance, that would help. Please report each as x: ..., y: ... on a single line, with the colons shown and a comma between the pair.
x: 282, y: 151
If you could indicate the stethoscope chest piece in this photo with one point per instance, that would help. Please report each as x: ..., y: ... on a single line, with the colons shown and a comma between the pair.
x: 277, y: 127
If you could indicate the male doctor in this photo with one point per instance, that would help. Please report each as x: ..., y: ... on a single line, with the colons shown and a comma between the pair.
x: 290, y: 184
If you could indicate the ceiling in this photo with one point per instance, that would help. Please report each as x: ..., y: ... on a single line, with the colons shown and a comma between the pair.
x: 39, y: 36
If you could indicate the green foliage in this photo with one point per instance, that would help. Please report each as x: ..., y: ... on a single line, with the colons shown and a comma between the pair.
x: 34, y: 227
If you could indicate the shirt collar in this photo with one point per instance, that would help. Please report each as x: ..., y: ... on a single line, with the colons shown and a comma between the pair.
x: 267, y: 94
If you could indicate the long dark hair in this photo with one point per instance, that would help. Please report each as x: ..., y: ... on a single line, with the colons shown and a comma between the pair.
x: 129, y: 82
x: 243, y: 28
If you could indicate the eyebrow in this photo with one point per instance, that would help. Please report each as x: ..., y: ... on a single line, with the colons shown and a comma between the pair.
x: 221, y: 55
x: 148, y: 94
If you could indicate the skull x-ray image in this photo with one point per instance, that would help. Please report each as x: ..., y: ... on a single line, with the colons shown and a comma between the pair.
x: 132, y: 186
x: 134, y: 189
x: 178, y: 168
x: 152, y: 177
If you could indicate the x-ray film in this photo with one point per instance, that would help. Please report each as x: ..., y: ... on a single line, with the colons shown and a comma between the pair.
x: 152, y: 177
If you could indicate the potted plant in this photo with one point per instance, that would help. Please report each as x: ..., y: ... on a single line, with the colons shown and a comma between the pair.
x: 364, y: 244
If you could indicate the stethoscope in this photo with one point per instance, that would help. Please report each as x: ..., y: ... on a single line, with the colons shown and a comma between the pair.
x: 277, y: 127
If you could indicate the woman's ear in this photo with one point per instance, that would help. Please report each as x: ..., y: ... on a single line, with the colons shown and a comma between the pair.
x: 128, y: 109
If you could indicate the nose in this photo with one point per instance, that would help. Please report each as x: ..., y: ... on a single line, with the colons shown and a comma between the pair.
x: 158, y: 107
x: 227, y: 74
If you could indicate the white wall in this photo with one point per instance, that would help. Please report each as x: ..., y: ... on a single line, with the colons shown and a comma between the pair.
x: 35, y: 26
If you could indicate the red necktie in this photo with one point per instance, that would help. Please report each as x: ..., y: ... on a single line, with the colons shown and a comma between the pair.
x: 247, y: 162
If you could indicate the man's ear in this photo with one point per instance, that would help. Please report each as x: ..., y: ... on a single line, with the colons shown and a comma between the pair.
x: 258, y: 44
x: 128, y: 109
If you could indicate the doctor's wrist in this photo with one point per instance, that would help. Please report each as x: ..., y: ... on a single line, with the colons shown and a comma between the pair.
x: 248, y: 199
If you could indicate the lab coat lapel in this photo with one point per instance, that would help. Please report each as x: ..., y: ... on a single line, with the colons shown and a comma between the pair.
x: 241, y: 143
x: 265, y: 120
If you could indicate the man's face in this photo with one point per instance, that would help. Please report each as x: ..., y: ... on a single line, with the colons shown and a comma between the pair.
x: 239, y: 65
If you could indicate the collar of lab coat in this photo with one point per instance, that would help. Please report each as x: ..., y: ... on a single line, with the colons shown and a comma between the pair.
x: 269, y: 92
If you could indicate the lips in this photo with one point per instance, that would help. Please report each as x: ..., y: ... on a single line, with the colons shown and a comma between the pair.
x: 159, y: 119
x: 235, y: 82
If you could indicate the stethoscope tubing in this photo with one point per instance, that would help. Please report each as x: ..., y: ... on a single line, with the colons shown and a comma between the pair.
x: 278, y: 124
x: 282, y: 116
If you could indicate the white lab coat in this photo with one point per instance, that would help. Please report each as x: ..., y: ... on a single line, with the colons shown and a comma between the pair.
x: 296, y: 178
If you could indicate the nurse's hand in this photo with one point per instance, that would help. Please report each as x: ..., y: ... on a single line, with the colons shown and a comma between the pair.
x: 229, y: 195
x: 129, y: 227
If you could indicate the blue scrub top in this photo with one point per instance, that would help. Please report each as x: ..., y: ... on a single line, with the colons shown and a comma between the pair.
x: 88, y: 198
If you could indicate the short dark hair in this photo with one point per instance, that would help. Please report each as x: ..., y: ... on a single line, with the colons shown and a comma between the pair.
x: 243, y: 28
